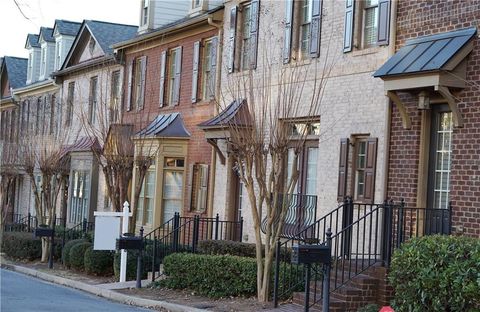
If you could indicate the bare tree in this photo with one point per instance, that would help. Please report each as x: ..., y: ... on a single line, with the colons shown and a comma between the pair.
x: 276, y: 97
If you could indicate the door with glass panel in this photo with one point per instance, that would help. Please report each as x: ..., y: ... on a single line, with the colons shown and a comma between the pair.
x: 438, y: 197
x: 79, y: 202
x: 172, y: 187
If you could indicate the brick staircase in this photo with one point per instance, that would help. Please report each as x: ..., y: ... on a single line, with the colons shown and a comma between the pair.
x: 368, y: 287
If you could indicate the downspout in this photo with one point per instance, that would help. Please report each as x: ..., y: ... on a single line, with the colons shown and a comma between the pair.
x: 218, y: 76
x: 388, y: 111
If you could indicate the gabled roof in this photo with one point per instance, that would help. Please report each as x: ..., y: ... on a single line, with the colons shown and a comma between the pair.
x: 16, y: 69
x: 106, y: 34
x: 428, y: 53
x: 165, y: 125
x: 46, y: 34
x: 32, y: 40
x: 67, y: 28
x: 235, y: 113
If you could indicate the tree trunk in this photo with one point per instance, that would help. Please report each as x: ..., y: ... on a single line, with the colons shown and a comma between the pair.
x: 45, y: 249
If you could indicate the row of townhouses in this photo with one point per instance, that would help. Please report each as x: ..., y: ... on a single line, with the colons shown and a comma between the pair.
x: 399, y: 115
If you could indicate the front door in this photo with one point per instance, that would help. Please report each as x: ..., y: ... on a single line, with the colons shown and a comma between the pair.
x: 438, y: 196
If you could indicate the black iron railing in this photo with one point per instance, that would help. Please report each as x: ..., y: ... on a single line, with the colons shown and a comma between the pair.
x: 182, y: 234
x: 79, y: 230
x: 20, y: 223
x: 301, y: 213
x: 363, y: 235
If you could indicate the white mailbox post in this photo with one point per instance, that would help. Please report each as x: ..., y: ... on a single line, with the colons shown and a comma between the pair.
x: 107, y: 230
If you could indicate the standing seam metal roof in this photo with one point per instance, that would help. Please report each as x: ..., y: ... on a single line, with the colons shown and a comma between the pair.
x: 165, y: 125
x: 426, y: 53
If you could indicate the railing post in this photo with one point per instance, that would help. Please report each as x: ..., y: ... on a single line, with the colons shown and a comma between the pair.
x: 52, y: 243
x: 196, y: 230
x: 139, y: 262
x: 326, y: 276
x: 346, y: 222
x: 277, y: 273
x: 401, y: 211
x: 176, y: 229
x: 154, y: 256
x: 387, y: 239
x: 28, y: 222
x: 241, y: 229
x: 216, y: 226
x: 84, y: 227
x: 450, y: 212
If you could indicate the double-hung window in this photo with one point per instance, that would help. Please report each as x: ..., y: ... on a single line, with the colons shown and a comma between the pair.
x: 70, y: 95
x: 115, y: 97
x: 93, y: 105
x: 139, y: 82
x: 246, y: 36
x: 174, y: 70
x: 370, y: 22
x: 146, y: 198
x: 305, y: 23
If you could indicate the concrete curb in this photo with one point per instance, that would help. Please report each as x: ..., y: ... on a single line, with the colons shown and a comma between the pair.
x: 102, y: 292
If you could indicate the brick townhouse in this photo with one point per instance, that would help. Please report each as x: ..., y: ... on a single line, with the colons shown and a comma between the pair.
x: 434, y: 154
x: 169, y: 81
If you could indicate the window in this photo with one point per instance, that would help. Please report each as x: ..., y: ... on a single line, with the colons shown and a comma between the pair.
x: 70, y: 97
x: 52, y: 113
x: 79, y: 201
x: 172, y: 187
x: 92, y: 105
x: 30, y: 66
x: 59, y: 55
x: 44, y: 61
x: 91, y: 45
x: 196, y: 4
x: 305, y: 21
x: 146, y: 199
x: 139, y: 82
x: 356, y: 176
x: 38, y: 113
x: 246, y: 36
x: 115, y: 97
x: 370, y: 23
x: 145, y: 12
x: 199, y: 187
x: 174, y: 68
x: 208, y: 76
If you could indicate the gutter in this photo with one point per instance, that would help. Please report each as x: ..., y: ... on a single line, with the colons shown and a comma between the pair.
x: 218, y: 76
x: 99, y: 61
x: 388, y: 111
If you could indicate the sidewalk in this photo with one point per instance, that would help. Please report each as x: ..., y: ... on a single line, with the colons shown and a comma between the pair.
x: 104, y: 290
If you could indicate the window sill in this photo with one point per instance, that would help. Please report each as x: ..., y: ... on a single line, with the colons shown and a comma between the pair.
x: 366, y: 51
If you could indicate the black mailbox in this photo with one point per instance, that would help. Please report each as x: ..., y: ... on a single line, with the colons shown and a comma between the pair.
x: 130, y: 242
x: 43, y: 232
x: 308, y: 254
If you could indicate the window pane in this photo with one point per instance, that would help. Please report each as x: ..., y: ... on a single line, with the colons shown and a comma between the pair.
x: 371, y: 25
x: 311, y: 186
x: 172, y: 193
x: 443, y: 161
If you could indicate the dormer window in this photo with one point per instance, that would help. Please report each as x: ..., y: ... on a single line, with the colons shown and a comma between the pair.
x: 91, y: 45
x: 30, y: 66
x: 44, y: 61
x: 145, y: 12
x: 196, y: 4
x: 58, y: 55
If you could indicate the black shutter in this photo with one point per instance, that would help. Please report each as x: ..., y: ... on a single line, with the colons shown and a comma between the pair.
x: 370, y: 166
x: 343, y: 169
x: 348, y: 30
x: 383, y: 22
x: 316, y: 28
x: 196, y: 60
x: 255, y: 7
x: 231, y: 39
x: 287, y: 39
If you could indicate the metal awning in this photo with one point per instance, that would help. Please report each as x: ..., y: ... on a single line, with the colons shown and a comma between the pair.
x: 165, y: 126
x: 428, y: 53
x: 235, y: 115
x: 430, y: 66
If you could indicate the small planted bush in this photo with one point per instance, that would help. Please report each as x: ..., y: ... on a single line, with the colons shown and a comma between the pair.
x: 66, y: 250
x: 437, y: 273
x: 21, y: 246
x: 132, y: 265
x: 98, y: 262
x: 217, y: 276
x: 77, y: 255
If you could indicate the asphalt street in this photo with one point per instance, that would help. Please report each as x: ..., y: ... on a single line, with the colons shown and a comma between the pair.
x: 21, y: 293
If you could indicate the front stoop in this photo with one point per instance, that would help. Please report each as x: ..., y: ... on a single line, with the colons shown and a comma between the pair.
x: 370, y: 286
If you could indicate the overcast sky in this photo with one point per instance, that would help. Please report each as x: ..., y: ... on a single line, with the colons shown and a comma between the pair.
x: 14, y: 27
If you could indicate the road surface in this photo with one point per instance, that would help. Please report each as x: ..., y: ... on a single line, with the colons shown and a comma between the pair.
x: 21, y: 293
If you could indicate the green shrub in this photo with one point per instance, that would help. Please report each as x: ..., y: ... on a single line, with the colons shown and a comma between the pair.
x: 216, y: 275
x: 98, y: 262
x: 77, y: 255
x: 233, y: 248
x: 66, y: 250
x: 132, y: 265
x: 437, y: 273
x: 22, y: 246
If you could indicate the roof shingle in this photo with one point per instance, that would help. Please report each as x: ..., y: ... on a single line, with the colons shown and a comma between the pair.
x: 107, y: 34
x: 67, y: 28
x: 17, y: 71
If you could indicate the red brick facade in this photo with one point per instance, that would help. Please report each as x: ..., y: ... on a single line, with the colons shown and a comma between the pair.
x: 199, y: 151
x: 418, y: 18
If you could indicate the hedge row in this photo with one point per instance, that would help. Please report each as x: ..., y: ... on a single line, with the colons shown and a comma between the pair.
x: 233, y: 248
x: 216, y: 276
x: 437, y: 273
x: 22, y: 246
